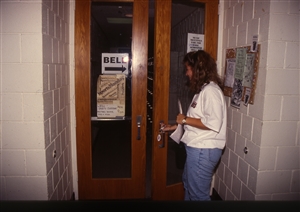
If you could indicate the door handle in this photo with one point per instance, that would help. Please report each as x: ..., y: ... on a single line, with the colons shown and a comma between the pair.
x: 161, y: 136
x: 138, y: 123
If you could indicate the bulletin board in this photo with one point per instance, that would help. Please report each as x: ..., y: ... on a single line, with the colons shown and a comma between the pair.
x: 241, y: 89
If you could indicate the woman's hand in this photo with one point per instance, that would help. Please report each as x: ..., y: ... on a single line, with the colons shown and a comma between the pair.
x: 179, y: 118
x: 167, y: 127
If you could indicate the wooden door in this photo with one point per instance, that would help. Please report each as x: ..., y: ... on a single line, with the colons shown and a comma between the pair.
x: 161, y: 189
x: 133, y: 186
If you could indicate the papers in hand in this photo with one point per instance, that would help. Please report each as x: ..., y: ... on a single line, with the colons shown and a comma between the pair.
x: 177, y: 134
x: 179, y: 107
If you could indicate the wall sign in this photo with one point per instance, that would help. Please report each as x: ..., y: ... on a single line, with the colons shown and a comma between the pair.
x: 115, y: 63
x: 195, y: 42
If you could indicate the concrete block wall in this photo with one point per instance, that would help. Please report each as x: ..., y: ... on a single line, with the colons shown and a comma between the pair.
x: 35, y: 111
x: 270, y: 127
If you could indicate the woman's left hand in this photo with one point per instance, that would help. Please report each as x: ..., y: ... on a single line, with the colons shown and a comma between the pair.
x: 179, y: 118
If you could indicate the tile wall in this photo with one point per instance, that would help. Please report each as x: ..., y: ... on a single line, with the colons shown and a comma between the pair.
x: 35, y: 107
x: 270, y: 127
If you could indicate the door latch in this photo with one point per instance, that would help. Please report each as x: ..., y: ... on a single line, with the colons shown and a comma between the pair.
x: 138, y: 123
x: 160, y: 136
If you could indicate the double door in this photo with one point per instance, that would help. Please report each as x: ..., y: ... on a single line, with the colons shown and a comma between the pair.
x: 128, y: 157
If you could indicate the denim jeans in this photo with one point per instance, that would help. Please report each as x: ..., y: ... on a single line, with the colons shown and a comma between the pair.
x: 198, y: 171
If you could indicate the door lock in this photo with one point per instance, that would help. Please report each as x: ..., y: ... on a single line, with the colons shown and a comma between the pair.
x: 160, y: 136
x: 138, y: 123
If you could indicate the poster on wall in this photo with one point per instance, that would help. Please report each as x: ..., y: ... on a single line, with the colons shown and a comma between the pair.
x: 254, y: 43
x: 240, y: 63
x: 248, y: 70
x: 230, y: 67
x: 111, y: 96
x: 195, y: 42
x: 247, y: 96
x: 237, y: 92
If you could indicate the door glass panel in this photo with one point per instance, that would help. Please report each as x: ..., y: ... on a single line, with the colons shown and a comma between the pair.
x: 187, y: 17
x: 111, y: 33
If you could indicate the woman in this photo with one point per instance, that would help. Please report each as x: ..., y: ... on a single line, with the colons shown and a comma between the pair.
x: 205, y: 125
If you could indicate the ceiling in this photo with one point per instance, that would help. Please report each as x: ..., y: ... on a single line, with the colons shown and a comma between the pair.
x: 120, y: 31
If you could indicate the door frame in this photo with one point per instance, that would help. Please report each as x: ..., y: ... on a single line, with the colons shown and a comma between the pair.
x: 123, y: 188
x: 162, y: 32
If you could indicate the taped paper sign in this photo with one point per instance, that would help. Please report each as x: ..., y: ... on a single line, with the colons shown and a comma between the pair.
x: 195, y: 42
x: 111, y: 96
x: 115, y: 63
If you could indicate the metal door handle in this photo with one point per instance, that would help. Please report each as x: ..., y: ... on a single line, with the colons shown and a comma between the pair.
x: 161, y: 135
x: 138, y: 122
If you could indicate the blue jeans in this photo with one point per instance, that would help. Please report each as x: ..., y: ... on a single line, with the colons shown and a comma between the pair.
x: 198, y: 171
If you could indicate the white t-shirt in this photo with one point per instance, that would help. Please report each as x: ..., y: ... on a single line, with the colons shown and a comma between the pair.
x: 210, y: 106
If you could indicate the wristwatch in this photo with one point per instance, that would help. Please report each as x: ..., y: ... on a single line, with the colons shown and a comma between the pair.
x: 183, y: 120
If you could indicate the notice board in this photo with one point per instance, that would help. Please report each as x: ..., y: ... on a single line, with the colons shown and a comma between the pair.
x: 241, y: 72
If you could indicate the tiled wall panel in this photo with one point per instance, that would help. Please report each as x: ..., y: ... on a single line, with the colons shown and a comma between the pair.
x: 270, y: 127
x: 58, y: 97
x: 35, y: 100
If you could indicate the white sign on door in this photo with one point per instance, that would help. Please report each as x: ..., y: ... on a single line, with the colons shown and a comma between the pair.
x: 195, y: 42
x: 115, y: 63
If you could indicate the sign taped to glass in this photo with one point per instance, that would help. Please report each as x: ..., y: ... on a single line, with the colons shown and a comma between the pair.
x: 115, y: 63
x: 111, y: 96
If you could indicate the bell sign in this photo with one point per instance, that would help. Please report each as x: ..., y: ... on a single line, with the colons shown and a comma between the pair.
x: 115, y: 63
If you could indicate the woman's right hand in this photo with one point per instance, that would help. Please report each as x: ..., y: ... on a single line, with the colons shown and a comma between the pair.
x: 167, y: 127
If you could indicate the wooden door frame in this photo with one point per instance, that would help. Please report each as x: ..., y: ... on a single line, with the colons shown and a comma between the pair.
x: 160, y: 190
x: 88, y: 188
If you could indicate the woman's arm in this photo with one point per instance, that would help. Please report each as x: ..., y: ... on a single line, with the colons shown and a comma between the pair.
x: 168, y: 127
x: 194, y: 122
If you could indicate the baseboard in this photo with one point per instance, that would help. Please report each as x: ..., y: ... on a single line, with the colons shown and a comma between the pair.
x: 215, y: 195
x: 72, y: 197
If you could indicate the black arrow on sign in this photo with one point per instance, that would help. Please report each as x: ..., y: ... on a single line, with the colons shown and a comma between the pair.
x: 122, y: 69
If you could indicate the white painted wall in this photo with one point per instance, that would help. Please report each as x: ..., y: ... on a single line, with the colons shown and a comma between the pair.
x: 35, y: 100
x: 270, y: 127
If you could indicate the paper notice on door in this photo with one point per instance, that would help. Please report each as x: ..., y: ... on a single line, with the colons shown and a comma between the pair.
x: 177, y: 134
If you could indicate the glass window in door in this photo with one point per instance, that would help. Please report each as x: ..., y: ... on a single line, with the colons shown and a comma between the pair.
x: 111, y: 33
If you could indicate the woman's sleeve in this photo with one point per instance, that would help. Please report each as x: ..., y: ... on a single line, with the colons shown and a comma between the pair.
x: 212, y: 109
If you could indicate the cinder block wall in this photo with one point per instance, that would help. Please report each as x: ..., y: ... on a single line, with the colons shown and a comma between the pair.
x: 270, y: 127
x: 35, y: 101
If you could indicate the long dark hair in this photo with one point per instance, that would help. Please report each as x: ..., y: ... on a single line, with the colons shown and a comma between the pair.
x: 204, y: 70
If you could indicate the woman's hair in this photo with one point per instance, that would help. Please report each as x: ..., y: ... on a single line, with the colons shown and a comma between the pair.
x: 204, y: 70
